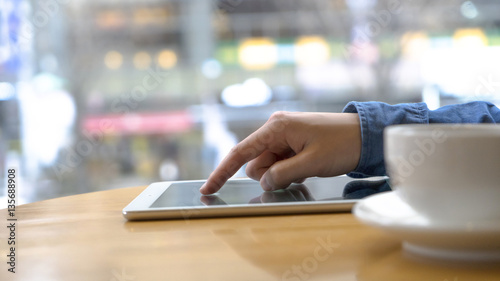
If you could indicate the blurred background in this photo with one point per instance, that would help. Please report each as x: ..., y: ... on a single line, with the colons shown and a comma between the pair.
x: 106, y: 94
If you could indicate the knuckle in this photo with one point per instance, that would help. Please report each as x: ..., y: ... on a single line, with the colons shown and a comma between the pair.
x: 249, y: 152
x: 279, y: 120
x: 235, y: 150
x: 279, y: 116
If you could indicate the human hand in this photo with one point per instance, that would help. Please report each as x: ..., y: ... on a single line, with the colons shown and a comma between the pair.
x: 292, y: 146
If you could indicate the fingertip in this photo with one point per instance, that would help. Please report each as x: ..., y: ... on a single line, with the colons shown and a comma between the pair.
x: 268, y: 183
x: 205, y: 190
x: 265, y: 184
x: 213, y: 184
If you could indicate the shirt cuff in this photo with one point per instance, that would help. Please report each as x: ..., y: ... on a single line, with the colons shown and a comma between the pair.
x: 374, y: 117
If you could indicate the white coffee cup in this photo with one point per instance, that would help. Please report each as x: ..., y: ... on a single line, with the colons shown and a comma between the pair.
x: 446, y: 172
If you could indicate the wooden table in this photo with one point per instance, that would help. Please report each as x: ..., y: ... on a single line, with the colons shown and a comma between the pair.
x: 85, y: 237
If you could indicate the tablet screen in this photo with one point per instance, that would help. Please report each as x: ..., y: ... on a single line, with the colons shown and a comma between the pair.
x: 186, y: 194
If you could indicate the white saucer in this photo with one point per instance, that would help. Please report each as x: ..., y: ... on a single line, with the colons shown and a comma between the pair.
x: 457, y: 241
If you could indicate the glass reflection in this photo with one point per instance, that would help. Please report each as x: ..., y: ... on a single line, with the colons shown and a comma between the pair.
x: 356, y: 189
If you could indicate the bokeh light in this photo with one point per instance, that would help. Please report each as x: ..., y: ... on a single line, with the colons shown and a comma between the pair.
x: 113, y: 60
x: 167, y: 59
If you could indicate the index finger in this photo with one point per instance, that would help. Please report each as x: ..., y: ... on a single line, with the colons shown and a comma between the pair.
x: 246, y: 150
x: 243, y: 152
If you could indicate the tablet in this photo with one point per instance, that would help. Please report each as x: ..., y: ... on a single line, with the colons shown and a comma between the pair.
x: 245, y: 197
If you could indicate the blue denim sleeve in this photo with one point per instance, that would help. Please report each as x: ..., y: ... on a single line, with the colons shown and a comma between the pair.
x: 472, y: 112
x: 375, y: 116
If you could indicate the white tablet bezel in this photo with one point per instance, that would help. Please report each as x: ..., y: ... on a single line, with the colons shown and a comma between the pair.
x: 139, y: 208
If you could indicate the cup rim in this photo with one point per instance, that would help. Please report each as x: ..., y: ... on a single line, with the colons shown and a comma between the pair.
x: 468, y: 129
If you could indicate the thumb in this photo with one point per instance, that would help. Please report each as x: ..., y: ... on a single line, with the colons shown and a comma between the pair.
x: 282, y: 173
